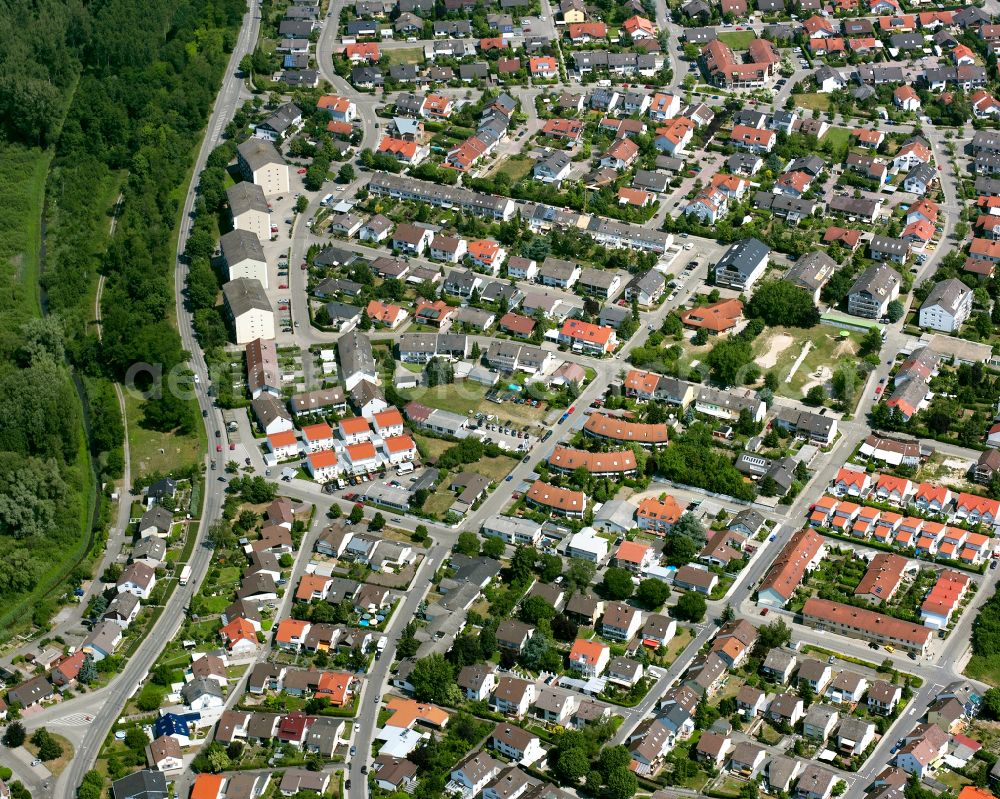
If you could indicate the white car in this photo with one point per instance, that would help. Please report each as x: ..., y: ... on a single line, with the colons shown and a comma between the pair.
x: 689, y: 246
x: 357, y: 727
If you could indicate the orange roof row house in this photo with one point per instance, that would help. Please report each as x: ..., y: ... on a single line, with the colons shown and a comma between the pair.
x: 611, y: 427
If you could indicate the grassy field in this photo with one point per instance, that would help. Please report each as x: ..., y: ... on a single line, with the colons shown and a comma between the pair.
x: 432, y: 446
x: 58, y: 765
x: 495, y: 469
x: 158, y: 452
x: 22, y: 176
x: 812, y: 101
x: 516, y: 167
x: 458, y: 398
x: 954, y: 781
x: 405, y: 55
x: 737, y: 40
x: 984, y: 669
x: 439, y: 502
x: 839, y: 137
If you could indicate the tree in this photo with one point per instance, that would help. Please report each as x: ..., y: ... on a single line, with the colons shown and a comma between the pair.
x: 535, y: 650
x: 88, y: 671
x: 50, y: 749
x: 467, y: 544
x: 536, y: 608
x: 767, y: 486
x: 680, y: 550
x: 613, y: 758
x: 549, y: 567
x: 652, y: 593
x: 488, y: 641
x: 580, y: 573
x: 377, y: 522
x: 815, y: 396
x: 345, y: 174
x: 493, y: 548
x: 357, y: 514
x: 731, y: 362
x: 15, y: 735
x: 521, y: 565
x: 772, y: 636
x: 431, y: 677
x: 690, y: 607
x: 617, y: 583
x: 563, y: 628
x: 782, y: 303
x: 989, y: 708
x: 895, y: 311
x: 572, y: 766
x: 622, y: 784
x: 136, y: 739
x: 688, y: 526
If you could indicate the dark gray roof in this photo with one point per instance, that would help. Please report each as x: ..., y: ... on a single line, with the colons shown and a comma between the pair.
x: 949, y: 294
x: 906, y: 41
x: 355, y: 352
x: 145, y: 784
x: 744, y: 256
x: 282, y: 119
x: 246, y: 196
x: 259, y: 152
x: 811, y: 271
x: 245, y: 294
x: 241, y: 245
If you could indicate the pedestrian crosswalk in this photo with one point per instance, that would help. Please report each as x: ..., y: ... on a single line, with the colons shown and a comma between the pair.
x: 74, y: 720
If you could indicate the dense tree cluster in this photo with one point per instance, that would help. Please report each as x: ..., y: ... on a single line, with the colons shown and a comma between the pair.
x: 779, y: 302
x: 691, y: 459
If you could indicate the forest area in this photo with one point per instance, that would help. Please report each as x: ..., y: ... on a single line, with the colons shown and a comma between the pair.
x: 95, y: 99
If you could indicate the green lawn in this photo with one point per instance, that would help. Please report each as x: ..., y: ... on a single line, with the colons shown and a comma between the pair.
x: 158, y: 452
x: 984, y: 669
x: 516, y: 167
x: 439, y: 502
x: 495, y: 469
x: 458, y: 398
x: 811, y: 101
x: 839, y: 137
x: 954, y: 781
x: 405, y: 55
x: 737, y: 40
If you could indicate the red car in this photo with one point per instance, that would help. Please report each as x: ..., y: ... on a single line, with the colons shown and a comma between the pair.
x: 764, y: 612
x: 218, y: 447
x: 283, y: 286
x: 302, y: 171
x: 878, y: 390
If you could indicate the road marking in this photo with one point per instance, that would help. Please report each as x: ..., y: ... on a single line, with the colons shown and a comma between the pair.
x: 74, y: 720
